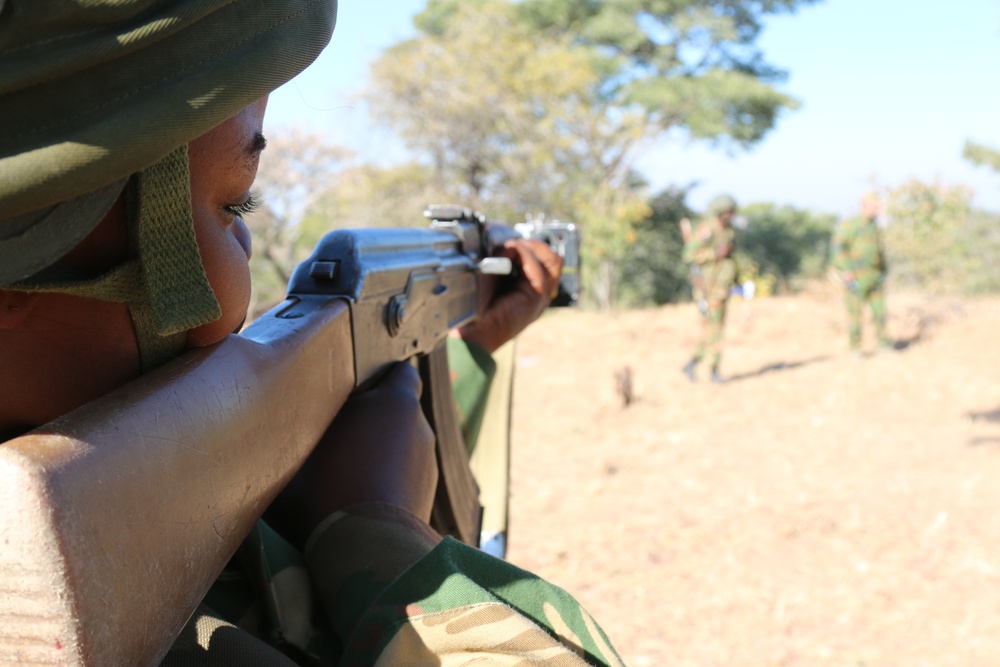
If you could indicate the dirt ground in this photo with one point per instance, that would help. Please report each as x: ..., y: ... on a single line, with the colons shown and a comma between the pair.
x: 817, y: 509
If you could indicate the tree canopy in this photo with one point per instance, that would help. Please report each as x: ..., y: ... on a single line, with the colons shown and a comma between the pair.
x: 788, y: 243
x: 693, y: 64
x: 981, y: 155
x: 503, y: 116
x: 936, y: 240
x: 542, y: 106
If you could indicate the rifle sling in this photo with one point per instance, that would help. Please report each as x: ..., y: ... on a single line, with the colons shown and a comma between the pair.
x: 456, y: 511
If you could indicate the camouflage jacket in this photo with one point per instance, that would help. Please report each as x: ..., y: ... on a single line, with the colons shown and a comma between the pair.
x: 856, y: 249
x: 709, y: 251
x: 376, y: 586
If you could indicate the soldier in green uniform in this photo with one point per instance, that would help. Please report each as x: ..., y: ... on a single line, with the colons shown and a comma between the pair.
x: 708, y: 248
x: 132, y: 133
x: 860, y: 263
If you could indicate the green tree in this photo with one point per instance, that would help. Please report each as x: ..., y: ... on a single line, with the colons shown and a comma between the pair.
x: 370, y: 196
x: 928, y: 239
x: 982, y: 241
x: 777, y: 244
x: 652, y: 270
x: 543, y: 105
x: 689, y: 64
x: 499, y: 115
x: 981, y: 155
x: 511, y: 122
x: 791, y: 244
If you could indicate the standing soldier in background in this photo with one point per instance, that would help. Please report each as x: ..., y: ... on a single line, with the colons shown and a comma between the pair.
x: 709, y: 249
x: 860, y: 264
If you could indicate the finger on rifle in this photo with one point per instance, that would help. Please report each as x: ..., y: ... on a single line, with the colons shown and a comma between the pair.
x: 551, y: 261
x: 540, y: 265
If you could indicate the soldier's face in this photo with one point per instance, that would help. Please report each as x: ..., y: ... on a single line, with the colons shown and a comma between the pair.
x: 223, y: 168
x: 58, y: 352
x: 870, y: 207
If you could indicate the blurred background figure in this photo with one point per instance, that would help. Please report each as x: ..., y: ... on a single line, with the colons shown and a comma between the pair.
x: 708, y: 248
x: 860, y: 264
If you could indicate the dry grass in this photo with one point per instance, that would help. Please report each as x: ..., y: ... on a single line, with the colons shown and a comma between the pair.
x: 815, y: 510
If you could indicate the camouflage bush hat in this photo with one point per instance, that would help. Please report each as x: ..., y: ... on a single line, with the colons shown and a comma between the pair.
x: 720, y: 204
x: 92, y: 91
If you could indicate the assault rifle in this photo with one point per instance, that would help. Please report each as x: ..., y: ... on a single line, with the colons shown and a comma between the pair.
x: 117, y: 517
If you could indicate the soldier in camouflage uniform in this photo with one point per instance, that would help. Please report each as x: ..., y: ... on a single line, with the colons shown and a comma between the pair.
x: 860, y: 263
x: 140, y: 121
x: 708, y: 248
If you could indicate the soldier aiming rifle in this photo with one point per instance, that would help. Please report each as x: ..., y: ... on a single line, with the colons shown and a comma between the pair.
x: 169, y: 490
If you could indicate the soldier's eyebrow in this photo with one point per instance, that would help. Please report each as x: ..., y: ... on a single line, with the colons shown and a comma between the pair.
x: 256, y: 145
x: 251, y: 151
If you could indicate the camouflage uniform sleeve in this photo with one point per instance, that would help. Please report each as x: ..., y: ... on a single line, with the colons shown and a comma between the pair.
x: 856, y: 247
x: 871, y: 254
x: 377, y: 586
x: 840, y: 247
x: 451, y: 606
x: 472, y: 372
x: 355, y: 554
x: 395, y: 594
x: 700, y: 248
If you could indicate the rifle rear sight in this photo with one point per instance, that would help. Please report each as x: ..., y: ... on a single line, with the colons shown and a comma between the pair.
x: 562, y: 237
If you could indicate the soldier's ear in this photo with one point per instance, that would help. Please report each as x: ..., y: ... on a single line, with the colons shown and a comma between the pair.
x: 15, y: 307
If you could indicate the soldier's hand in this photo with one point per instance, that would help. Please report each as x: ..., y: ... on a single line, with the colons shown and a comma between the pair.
x: 506, y: 311
x: 379, y: 448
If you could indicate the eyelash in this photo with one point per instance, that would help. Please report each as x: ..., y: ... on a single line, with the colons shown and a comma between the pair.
x: 248, y: 207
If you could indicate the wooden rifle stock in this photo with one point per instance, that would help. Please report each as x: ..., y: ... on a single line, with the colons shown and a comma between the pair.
x: 116, y: 519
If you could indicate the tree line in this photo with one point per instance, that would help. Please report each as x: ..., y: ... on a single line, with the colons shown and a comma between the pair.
x: 542, y: 106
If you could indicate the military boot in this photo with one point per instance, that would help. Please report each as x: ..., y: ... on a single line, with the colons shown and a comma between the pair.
x: 688, y: 370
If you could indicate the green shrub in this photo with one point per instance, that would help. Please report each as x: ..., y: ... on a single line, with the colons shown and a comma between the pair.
x: 790, y: 244
x: 936, y: 241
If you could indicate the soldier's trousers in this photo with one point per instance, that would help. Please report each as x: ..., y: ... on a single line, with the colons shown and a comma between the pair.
x: 712, y: 321
x: 855, y: 301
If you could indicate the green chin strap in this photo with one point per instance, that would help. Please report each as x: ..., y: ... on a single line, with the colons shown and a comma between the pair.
x: 164, y: 285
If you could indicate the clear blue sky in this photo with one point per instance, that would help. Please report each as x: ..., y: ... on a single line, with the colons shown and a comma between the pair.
x: 890, y: 90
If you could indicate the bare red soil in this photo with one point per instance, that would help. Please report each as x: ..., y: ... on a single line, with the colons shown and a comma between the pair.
x: 816, y: 509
